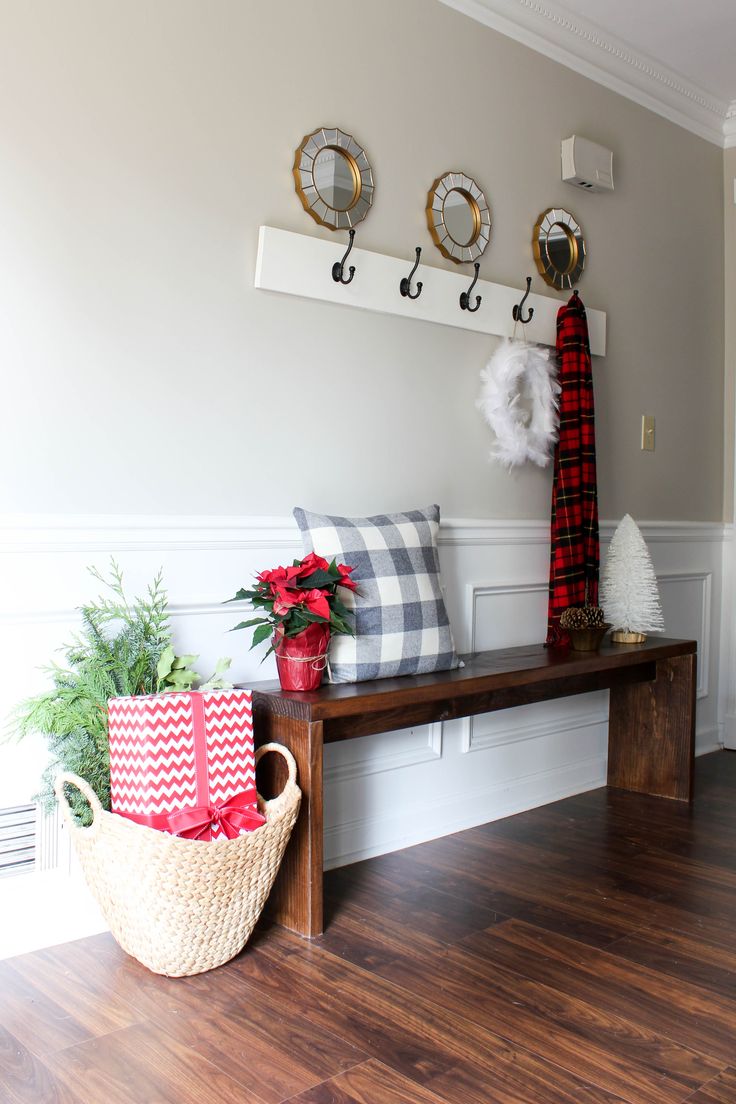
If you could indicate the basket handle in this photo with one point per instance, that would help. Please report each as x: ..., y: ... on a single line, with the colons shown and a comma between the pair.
x: 67, y: 778
x: 291, y: 785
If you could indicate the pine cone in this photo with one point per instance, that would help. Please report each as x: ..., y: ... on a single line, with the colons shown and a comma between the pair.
x: 582, y: 617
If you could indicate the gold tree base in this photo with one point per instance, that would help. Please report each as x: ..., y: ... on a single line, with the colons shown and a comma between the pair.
x: 620, y: 636
x: 588, y: 639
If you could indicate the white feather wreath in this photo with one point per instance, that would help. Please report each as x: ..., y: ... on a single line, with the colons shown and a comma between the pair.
x: 519, y: 400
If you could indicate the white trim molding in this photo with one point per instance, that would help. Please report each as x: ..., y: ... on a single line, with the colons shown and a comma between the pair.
x: 361, y: 762
x: 729, y: 731
x: 729, y: 127
x: 579, y: 45
x: 26, y: 533
x: 727, y: 643
x: 518, y: 733
x: 143, y: 532
x: 474, y: 591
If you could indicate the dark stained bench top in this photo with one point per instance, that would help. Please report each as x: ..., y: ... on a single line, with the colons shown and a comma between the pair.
x: 488, y: 681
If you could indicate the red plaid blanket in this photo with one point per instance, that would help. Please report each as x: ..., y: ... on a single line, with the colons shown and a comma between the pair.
x: 575, y: 552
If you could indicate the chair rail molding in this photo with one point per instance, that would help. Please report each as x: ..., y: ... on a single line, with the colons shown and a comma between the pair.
x: 37, y: 533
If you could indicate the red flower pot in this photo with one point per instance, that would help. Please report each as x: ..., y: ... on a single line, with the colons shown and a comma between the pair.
x: 302, y: 659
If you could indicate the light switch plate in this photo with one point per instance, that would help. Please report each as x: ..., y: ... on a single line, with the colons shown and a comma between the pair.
x: 647, y: 432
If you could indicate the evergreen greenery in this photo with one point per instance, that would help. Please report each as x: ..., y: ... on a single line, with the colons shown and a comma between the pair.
x: 115, y: 654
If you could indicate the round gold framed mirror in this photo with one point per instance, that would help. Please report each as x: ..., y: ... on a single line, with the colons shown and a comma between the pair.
x: 458, y: 217
x: 333, y: 178
x: 559, y: 248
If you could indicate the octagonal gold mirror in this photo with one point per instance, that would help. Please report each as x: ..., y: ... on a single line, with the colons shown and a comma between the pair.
x: 559, y: 248
x: 333, y: 178
x: 458, y: 217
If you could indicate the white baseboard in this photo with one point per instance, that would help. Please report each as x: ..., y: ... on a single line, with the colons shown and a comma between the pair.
x: 729, y: 731
x: 708, y: 740
x: 55, y: 907
x: 364, y: 838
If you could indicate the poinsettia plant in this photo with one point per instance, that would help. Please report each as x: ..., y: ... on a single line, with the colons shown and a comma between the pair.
x: 290, y: 599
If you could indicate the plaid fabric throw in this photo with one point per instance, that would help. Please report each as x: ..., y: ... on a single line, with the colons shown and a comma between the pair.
x: 575, y: 552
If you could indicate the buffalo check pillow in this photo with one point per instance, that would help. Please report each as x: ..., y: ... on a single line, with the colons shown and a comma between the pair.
x: 401, y: 624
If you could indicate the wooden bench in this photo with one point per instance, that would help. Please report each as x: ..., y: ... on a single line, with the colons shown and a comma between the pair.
x: 650, y: 738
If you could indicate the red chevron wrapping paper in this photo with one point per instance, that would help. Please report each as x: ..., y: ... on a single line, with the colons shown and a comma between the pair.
x: 184, y: 762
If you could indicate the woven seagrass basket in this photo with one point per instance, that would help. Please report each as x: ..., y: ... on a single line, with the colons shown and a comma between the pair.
x: 181, y: 906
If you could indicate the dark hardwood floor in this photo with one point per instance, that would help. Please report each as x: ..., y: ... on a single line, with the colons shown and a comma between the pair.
x: 582, y: 953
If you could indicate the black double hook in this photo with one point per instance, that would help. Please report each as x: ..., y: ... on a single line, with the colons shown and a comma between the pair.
x: 405, y: 285
x: 517, y: 312
x: 338, y: 267
x: 465, y: 296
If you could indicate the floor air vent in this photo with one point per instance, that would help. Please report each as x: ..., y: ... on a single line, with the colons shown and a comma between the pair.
x: 17, y: 839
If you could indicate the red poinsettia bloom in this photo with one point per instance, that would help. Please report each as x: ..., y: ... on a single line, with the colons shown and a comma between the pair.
x: 284, y: 600
x: 345, y: 580
x: 280, y: 576
x: 316, y: 602
x: 312, y: 563
x: 294, y: 600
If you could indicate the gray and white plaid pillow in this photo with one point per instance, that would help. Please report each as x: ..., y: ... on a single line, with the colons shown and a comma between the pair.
x: 401, y: 624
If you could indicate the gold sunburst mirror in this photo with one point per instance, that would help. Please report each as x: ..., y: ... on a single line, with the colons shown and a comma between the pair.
x: 559, y: 248
x: 458, y: 217
x: 333, y: 178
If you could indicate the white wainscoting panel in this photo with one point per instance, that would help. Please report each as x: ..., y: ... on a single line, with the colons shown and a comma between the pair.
x: 384, y: 791
x: 506, y: 614
x: 686, y: 605
x: 386, y: 751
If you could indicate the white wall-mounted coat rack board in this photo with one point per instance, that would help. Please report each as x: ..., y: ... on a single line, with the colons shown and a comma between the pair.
x: 300, y: 264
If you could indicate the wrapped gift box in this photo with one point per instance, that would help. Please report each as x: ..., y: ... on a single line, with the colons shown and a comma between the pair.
x: 184, y: 763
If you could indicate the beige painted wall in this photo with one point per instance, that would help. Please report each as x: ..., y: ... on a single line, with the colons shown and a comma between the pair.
x: 729, y: 284
x: 142, y: 145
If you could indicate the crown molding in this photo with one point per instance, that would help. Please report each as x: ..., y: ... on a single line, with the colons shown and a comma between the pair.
x: 605, y: 59
x: 729, y: 127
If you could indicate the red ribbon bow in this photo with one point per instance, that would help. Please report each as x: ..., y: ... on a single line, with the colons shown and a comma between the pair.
x: 233, y: 816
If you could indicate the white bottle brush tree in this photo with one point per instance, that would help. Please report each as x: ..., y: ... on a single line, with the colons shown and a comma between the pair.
x: 629, y: 592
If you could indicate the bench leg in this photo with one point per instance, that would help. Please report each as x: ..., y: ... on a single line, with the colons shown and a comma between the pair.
x: 296, y: 898
x: 651, y: 732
